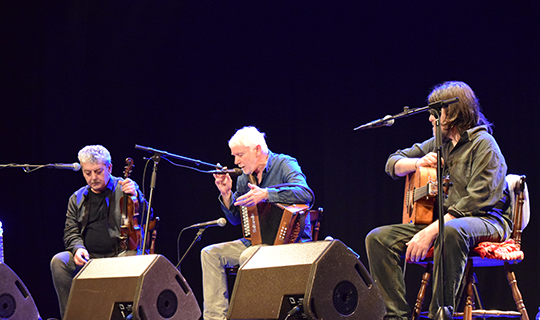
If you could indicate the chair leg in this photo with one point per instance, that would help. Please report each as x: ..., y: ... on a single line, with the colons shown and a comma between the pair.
x: 422, y: 292
x: 477, y: 298
x: 515, y: 291
x: 469, y: 303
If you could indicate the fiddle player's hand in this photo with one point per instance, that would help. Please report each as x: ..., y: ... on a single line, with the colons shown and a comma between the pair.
x: 81, y: 257
x: 128, y: 187
x: 419, y: 245
x: 254, y: 196
x: 429, y: 161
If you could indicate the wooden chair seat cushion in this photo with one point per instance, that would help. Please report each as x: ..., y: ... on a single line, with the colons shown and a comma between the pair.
x: 500, y: 252
x: 507, y: 250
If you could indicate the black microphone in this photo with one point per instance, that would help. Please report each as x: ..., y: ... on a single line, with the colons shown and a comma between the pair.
x: 443, y: 103
x: 233, y: 172
x: 384, y: 122
x: 221, y: 222
x: 71, y: 166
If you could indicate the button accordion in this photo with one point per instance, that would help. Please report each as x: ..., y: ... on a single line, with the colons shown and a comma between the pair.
x: 274, y: 223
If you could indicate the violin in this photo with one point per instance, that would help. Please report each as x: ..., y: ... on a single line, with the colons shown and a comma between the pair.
x: 130, y: 229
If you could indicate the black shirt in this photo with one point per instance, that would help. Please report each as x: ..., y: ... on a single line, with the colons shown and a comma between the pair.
x: 96, y: 237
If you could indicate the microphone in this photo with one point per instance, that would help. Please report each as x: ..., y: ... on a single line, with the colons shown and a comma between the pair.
x: 384, y: 122
x: 70, y: 166
x: 221, y: 222
x: 443, y: 103
x: 233, y: 172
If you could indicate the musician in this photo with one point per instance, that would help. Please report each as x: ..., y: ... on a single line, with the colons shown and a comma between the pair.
x: 251, y: 154
x: 476, y: 209
x: 93, y: 219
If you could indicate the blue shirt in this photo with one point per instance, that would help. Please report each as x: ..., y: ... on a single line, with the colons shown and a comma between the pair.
x: 280, y: 168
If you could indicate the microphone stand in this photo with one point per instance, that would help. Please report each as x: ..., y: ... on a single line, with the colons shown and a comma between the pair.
x: 197, y: 238
x: 158, y: 154
x: 156, y: 157
x: 444, y: 312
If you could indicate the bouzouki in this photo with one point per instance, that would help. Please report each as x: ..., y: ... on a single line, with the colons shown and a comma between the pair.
x: 420, y: 194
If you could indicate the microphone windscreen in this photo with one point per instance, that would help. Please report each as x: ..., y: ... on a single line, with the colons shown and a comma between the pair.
x: 221, y: 222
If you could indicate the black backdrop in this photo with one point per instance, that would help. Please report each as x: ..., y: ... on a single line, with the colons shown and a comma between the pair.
x: 182, y: 76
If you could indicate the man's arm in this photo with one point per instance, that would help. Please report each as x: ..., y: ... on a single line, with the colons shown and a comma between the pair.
x: 405, y: 161
x: 72, y: 233
x: 419, y: 245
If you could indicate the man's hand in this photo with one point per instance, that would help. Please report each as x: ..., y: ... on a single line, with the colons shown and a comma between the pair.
x: 404, y: 166
x: 419, y: 245
x: 429, y: 160
x: 128, y: 187
x: 254, y: 196
x: 223, y: 183
x: 81, y: 257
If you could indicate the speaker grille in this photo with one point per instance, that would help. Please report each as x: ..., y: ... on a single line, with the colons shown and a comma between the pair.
x: 167, y: 303
x: 345, y: 298
x: 7, y: 306
x: 15, y: 299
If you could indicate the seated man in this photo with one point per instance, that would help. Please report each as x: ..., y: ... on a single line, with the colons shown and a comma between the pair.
x: 93, y: 219
x: 268, y: 169
x: 475, y: 209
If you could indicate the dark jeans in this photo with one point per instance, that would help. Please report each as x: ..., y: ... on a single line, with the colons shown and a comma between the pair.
x: 386, y: 249
x: 64, y: 269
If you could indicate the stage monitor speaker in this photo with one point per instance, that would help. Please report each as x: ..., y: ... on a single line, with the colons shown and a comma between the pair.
x: 146, y: 287
x: 323, y: 279
x: 15, y: 300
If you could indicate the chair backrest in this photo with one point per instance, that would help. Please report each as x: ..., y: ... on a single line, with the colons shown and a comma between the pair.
x: 519, y: 202
x: 315, y: 216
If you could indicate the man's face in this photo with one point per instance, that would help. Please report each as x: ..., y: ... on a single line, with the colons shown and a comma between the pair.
x: 246, y: 158
x: 97, y: 175
x: 444, y: 130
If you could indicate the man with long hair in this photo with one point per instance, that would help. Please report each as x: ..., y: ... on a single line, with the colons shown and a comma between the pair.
x: 476, y: 208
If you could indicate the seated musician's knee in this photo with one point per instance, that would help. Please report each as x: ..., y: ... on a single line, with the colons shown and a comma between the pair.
x: 246, y: 254
x: 60, y: 260
x: 374, y: 237
x: 455, y: 236
x: 209, y: 253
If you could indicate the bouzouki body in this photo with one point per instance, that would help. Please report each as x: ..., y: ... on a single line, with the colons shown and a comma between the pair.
x: 420, y: 194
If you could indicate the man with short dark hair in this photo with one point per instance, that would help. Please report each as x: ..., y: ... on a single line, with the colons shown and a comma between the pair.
x: 93, y: 219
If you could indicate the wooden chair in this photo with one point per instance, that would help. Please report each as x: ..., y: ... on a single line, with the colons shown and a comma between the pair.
x: 315, y: 217
x: 473, y: 306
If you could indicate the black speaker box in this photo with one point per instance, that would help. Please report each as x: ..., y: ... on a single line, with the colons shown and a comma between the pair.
x: 325, y: 277
x: 146, y: 287
x: 15, y: 300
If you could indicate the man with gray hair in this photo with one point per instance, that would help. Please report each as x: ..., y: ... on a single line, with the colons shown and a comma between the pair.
x: 263, y: 171
x: 93, y: 219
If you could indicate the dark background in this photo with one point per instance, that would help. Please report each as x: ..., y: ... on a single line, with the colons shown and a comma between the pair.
x: 183, y: 76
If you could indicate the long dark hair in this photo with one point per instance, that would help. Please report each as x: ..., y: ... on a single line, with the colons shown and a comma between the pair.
x: 464, y: 114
